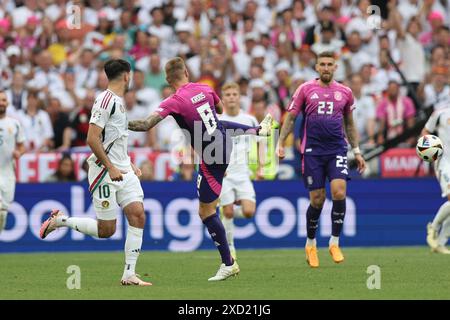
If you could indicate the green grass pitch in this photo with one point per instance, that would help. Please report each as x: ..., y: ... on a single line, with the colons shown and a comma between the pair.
x: 406, y: 273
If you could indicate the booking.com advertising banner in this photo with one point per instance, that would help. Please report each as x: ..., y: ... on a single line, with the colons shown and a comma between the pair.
x: 384, y: 212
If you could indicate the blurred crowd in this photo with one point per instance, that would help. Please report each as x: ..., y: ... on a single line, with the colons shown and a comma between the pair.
x: 52, y: 53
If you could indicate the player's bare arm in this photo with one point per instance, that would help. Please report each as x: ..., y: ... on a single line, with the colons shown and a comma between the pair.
x: 19, y: 151
x: 95, y: 143
x: 145, y: 125
x: 286, y: 129
x: 136, y: 170
x: 352, y: 136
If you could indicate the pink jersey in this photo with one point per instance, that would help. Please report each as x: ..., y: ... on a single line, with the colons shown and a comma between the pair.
x: 193, y: 107
x: 323, y: 110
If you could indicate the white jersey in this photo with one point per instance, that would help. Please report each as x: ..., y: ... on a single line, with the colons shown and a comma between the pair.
x: 11, y: 133
x: 439, y: 122
x: 109, y: 113
x: 241, y: 144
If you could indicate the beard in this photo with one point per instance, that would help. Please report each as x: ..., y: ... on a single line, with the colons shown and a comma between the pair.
x: 2, y: 110
x: 326, y: 78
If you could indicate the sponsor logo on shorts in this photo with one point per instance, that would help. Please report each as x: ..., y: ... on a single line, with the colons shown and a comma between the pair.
x: 310, y: 180
x: 105, y: 204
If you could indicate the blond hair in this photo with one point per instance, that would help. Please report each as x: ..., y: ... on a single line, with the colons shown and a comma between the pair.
x: 230, y: 85
x: 174, y: 70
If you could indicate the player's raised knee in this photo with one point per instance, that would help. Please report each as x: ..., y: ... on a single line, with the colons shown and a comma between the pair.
x: 228, y: 212
x: 105, y: 232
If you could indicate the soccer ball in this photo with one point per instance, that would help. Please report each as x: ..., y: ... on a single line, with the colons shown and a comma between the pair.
x: 429, y: 148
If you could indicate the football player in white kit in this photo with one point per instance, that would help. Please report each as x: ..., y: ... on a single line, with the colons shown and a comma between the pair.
x: 237, y: 186
x: 438, y: 231
x: 113, y: 179
x: 12, y: 147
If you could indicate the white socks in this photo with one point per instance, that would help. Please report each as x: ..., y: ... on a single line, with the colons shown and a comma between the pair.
x: 333, y: 240
x: 444, y: 234
x: 133, y: 246
x: 442, y: 214
x: 311, y: 242
x: 84, y: 225
x: 238, y: 212
x: 3, y: 215
x: 228, y: 224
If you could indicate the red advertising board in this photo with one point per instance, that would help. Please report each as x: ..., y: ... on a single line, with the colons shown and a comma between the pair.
x: 403, y: 162
x: 37, y: 167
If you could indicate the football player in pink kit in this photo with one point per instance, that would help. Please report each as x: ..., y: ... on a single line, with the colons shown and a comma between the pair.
x: 325, y: 105
x: 194, y: 107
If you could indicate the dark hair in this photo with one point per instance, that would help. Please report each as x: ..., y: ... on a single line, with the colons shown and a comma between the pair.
x: 58, y: 173
x: 116, y: 67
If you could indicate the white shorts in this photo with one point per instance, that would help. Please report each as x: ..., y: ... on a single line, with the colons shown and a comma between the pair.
x: 107, y: 194
x: 234, y: 188
x: 7, y: 189
x: 443, y: 176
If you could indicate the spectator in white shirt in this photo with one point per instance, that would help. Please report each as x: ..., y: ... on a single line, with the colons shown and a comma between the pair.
x: 136, y: 112
x: 46, y: 77
x: 437, y: 93
x: 364, y: 114
x: 145, y: 96
x: 85, y: 72
x: 37, y: 126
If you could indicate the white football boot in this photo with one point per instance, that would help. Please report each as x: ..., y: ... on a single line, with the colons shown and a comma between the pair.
x: 441, y: 249
x: 225, y: 272
x: 432, y: 237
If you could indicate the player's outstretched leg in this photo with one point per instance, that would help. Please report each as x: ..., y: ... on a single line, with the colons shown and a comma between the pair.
x: 136, y: 219
x: 338, y: 190
x: 229, y: 266
x: 58, y: 219
x: 433, y: 228
x: 264, y: 129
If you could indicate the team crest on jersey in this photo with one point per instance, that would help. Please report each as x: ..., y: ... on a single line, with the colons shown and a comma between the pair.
x: 10, y: 130
x: 83, y: 118
x: 97, y: 115
x: 315, y: 96
x: 122, y: 109
x: 338, y: 96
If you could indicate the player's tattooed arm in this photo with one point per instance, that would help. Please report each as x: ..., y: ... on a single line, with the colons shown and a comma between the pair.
x: 287, y: 127
x: 145, y: 125
x: 350, y: 130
